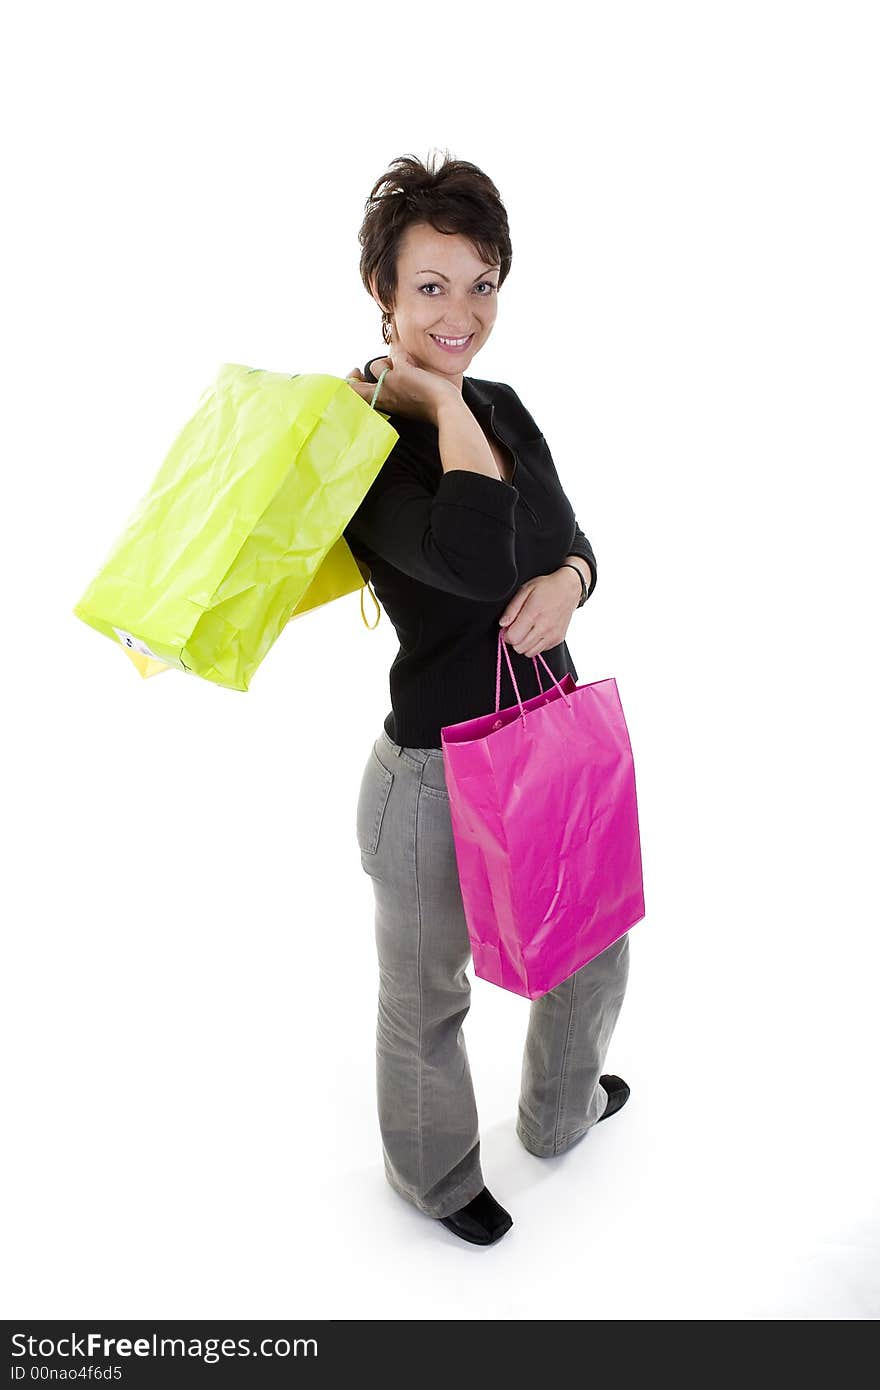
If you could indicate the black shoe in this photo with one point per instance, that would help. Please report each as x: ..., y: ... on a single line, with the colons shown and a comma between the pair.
x: 618, y: 1095
x: 482, y: 1221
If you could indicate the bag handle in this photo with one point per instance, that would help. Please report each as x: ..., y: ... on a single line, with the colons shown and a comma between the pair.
x: 502, y: 643
x: 379, y: 386
x: 366, y: 585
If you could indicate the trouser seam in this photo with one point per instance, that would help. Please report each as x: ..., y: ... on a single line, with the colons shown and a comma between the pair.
x: 459, y: 1187
x: 421, y: 1135
x: 554, y: 1148
x: 530, y: 1133
x: 562, y: 1075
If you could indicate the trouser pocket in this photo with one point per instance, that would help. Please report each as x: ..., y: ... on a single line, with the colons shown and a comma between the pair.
x: 375, y: 789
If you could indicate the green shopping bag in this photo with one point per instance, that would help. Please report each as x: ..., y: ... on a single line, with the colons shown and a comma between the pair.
x: 242, y: 528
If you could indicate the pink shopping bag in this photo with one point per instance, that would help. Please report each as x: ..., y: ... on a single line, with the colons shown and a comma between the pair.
x: 543, y: 803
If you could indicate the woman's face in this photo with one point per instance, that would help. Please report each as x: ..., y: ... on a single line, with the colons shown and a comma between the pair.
x: 443, y: 289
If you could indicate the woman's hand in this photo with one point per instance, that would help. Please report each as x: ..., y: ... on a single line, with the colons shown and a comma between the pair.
x: 407, y: 389
x: 538, y: 615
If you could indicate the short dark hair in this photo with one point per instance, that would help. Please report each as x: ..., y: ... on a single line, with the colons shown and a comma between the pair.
x: 456, y: 197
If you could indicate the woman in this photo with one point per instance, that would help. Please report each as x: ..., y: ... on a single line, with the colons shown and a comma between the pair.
x: 466, y: 526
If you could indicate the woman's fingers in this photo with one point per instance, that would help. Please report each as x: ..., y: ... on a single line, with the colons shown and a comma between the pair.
x: 358, y: 382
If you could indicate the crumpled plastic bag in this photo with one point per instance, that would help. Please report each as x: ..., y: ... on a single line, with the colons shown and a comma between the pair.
x: 241, y: 530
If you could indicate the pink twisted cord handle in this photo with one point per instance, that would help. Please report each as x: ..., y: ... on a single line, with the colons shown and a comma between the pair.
x: 502, y: 643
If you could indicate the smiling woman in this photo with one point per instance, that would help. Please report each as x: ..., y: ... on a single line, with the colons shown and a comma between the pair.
x: 435, y: 253
x: 465, y: 526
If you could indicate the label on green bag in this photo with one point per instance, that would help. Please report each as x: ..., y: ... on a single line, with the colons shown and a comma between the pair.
x: 136, y: 645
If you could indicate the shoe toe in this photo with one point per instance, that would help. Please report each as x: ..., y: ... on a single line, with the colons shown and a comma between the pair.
x: 465, y: 1226
x: 482, y: 1221
x: 618, y: 1094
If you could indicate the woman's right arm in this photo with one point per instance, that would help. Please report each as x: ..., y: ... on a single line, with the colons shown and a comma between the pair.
x: 460, y: 538
x: 462, y: 441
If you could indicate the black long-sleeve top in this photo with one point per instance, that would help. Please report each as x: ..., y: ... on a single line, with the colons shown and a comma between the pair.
x: 448, y: 550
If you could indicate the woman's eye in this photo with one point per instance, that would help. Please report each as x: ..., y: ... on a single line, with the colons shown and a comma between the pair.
x: 432, y: 285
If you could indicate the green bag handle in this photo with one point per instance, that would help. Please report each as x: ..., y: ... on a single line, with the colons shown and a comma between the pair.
x: 366, y: 584
x: 379, y: 386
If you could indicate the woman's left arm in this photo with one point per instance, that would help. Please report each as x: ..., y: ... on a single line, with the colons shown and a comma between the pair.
x: 537, y: 616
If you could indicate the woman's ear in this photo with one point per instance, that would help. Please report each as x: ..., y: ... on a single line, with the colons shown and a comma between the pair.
x: 377, y: 301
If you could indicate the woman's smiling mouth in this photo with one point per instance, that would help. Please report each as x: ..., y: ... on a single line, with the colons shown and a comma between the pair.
x: 452, y: 344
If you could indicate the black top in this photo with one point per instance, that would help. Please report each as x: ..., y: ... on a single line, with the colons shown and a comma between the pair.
x: 447, y: 551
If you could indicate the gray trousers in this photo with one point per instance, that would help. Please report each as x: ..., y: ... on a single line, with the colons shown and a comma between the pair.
x: 427, y: 1110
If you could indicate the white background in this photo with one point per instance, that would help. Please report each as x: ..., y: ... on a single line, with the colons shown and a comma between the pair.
x: 190, y: 972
